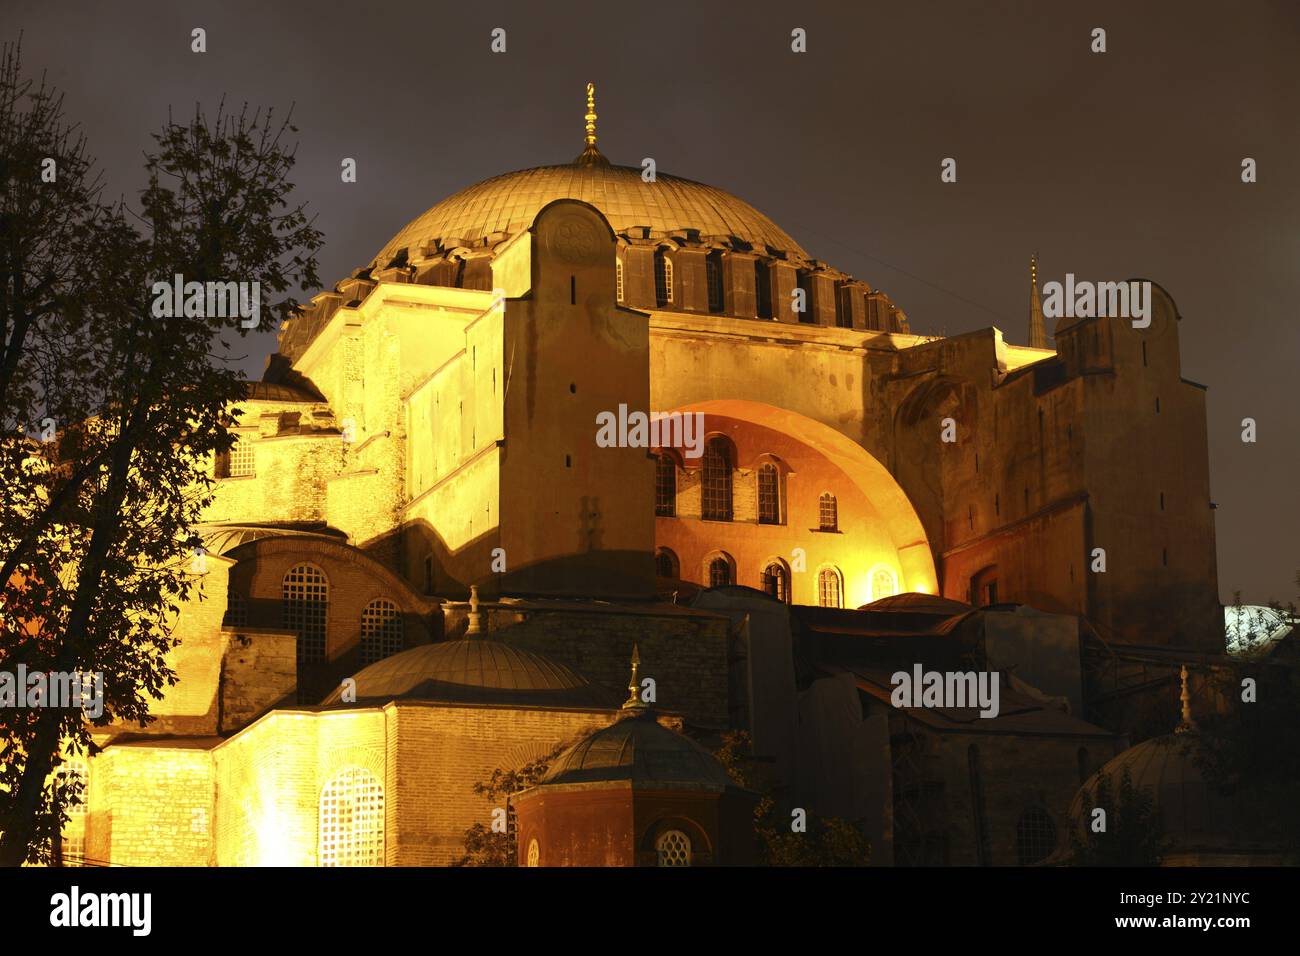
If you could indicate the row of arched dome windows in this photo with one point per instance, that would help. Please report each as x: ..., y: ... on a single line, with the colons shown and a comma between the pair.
x: 720, y: 571
x: 878, y: 314
x: 716, y: 491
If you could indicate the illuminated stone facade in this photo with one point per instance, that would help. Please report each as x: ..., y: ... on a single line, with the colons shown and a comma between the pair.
x: 429, y: 426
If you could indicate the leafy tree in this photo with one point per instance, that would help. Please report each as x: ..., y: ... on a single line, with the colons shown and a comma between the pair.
x: 97, y: 525
x: 827, y: 841
x: 485, y: 846
x: 1248, y: 747
x: 1134, y: 834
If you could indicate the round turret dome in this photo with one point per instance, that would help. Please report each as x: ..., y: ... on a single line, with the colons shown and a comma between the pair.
x: 640, y: 750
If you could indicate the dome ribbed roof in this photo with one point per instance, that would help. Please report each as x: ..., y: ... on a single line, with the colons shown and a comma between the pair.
x: 640, y: 750
x: 1196, y: 816
x: 508, y: 204
x: 474, y: 671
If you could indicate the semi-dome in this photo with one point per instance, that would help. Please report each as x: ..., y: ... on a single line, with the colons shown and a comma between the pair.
x: 473, y: 671
x: 507, y: 204
x: 640, y: 750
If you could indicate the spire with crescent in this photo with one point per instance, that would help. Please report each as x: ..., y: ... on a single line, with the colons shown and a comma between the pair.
x: 590, y: 155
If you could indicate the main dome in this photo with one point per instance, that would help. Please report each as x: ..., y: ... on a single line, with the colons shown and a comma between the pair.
x: 507, y: 204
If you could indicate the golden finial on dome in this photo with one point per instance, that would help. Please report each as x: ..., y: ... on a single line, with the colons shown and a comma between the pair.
x: 634, y: 701
x: 590, y: 155
x: 1188, y: 723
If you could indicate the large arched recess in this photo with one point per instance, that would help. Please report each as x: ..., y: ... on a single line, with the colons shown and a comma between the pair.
x: 865, y: 471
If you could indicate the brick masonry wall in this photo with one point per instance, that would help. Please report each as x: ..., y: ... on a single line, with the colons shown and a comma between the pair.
x: 151, y: 806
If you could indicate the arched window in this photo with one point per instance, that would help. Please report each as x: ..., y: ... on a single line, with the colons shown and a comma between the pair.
x: 762, y: 290
x: 352, y: 819
x: 665, y: 485
x: 829, y: 592
x: 776, y: 581
x: 715, y: 504
x: 305, y: 608
x: 884, y: 582
x: 828, y: 510
x: 534, y: 854
x: 666, y: 564
x: 673, y: 848
x: 618, y: 279
x: 663, y: 278
x: 719, y: 571
x: 769, y: 494
x: 713, y: 279
x: 1035, y: 836
x: 381, y: 631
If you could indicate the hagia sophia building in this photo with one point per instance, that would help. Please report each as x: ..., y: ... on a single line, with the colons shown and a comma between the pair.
x: 422, y: 567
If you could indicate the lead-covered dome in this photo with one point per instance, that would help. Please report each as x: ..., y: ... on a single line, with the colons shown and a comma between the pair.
x: 473, y: 671
x: 507, y: 204
x: 640, y: 750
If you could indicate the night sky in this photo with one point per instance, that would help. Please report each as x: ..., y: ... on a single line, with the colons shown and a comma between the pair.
x: 1115, y: 165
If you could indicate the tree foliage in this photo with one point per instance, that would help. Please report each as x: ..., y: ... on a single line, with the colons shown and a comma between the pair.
x: 826, y: 841
x: 97, y: 523
x: 1134, y: 833
x: 485, y: 846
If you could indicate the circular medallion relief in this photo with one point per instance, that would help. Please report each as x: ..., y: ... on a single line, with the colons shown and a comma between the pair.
x: 575, y: 239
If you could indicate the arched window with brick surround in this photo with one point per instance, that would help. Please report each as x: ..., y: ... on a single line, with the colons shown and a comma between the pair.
x: 381, y: 631
x: 715, y: 480
x: 305, y: 608
x: 352, y: 819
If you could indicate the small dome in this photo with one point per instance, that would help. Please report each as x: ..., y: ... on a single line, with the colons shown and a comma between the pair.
x: 639, y: 749
x: 1197, y: 818
x: 474, y: 671
x: 916, y: 601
